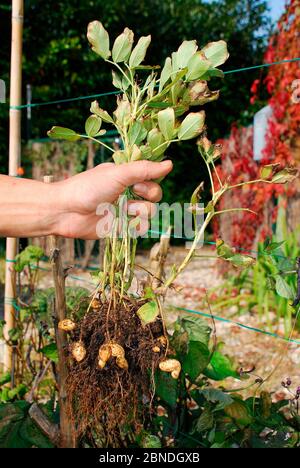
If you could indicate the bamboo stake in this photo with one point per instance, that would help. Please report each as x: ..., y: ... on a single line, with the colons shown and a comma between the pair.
x: 67, y: 434
x: 14, y: 163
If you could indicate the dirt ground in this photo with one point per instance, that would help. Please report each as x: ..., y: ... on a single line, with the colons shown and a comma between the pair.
x: 271, y: 357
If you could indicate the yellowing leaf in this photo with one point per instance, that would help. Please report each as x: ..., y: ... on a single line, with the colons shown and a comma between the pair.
x: 166, y: 122
x: 286, y: 175
x: 93, y: 125
x: 62, y: 133
x: 122, y: 46
x: 99, y: 39
x: 148, y: 312
x: 191, y: 126
x: 119, y: 157
x: 216, y: 52
x: 139, y: 52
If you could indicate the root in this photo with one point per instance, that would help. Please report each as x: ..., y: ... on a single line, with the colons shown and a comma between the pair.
x: 108, y: 388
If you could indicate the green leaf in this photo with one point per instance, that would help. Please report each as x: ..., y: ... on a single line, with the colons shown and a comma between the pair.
x: 166, y: 122
x: 223, y: 366
x: 267, y: 171
x: 93, y: 125
x: 95, y: 109
x: 216, y: 52
x: 197, y: 329
x: 197, y: 67
x: 191, y: 126
x: 122, y: 46
x: 186, y: 52
x: 50, y: 351
x: 196, y: 359
x: 62, y: 133
x: 224, y: 250
x: 151, y: 441
x: 99, y: 39
x: 205, y: 422
x: 156, y: 142
x: 139, y: 52
x: 148, y: 312
x: 165, y: 74
x: 214, y: 395
x: 166, y: 388
x: 5, y: 378
x: 283, y: 289
x: 33, y: 435
x: 137, y: 133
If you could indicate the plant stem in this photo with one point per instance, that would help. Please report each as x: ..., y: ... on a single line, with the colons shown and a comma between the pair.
x: 98, y: 141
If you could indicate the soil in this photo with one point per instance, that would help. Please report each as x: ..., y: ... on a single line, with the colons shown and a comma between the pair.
x: 93, y: 391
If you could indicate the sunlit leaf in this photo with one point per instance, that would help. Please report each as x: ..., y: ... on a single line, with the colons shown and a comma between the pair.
x: 148, y: 312
x: 165, y: 73
x: 216, y: 52
x: 197, y: 67
x: 166, y: 122
x: 283, y: 289
x: 191, y: 126
x: 99, y: 39
x: 122, y: 46
x: 185, y: 52
x: 139, y: 52
x: 92, y: 125
x: 61, y: 133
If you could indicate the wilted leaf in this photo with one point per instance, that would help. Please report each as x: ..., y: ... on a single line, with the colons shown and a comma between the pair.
x: 99, y: 39
x: 95, y: 109
x: 139, y: 52
x: 242, y: 261
x: 122, y: 113
x: 62, y: 133
x: 185, y: 52
x: 224, y: 250
x: 191, y: 126
x: 239, y: 412
x: 119, y: 157
x: 166, y: 122
x: 205, y: 422
x: 216, y: 53
x: 122, y: 46
x: 136, y: 153
x: 93, y: 125
x: 148, y: 312
x: 197, y: 67
x: 286, y: 175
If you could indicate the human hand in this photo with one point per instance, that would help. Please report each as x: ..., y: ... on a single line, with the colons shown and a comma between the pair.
x: 81, y: 195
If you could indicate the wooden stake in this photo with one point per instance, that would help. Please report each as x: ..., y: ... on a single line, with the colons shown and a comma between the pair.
x: 67, y: 433
x: 14, y: 162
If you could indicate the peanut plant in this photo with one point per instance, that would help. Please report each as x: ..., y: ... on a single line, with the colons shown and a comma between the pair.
x: 121, y: 337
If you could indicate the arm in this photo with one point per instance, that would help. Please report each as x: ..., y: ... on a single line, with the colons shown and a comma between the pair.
x: 30, y: 208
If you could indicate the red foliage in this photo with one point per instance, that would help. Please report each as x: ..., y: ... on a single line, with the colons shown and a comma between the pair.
x: 284, y: 127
